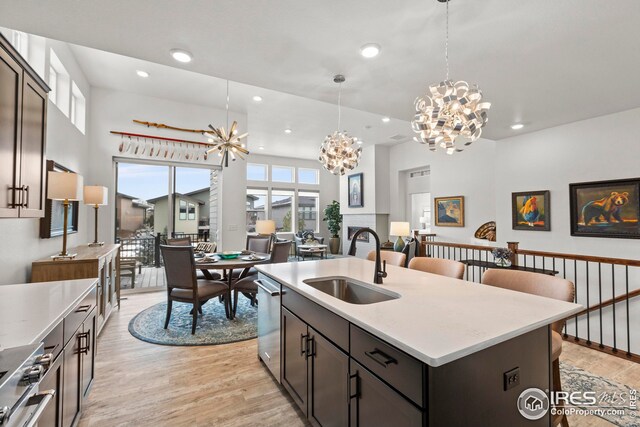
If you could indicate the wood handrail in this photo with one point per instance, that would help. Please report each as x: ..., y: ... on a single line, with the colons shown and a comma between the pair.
x: 588, y: 258
x: 609, y: 302
x: 460, y: 245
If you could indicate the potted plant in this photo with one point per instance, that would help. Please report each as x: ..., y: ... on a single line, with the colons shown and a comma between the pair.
x: 334, y: 220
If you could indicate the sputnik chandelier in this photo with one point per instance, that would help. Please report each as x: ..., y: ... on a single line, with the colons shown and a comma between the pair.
x: 451, y: 113
x: 227, y: 144
x: 339, y: 152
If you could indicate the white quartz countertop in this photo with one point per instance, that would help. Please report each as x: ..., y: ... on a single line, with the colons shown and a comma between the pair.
x: 29, y: 311
x: 436, y: 319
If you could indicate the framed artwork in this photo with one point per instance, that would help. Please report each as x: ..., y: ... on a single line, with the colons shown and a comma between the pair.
x: 51, y: 225
x: 449, y: 211
x: 364, y: 237
x: 606, y: 208
x: 531, y: 210
x: 356, y: 199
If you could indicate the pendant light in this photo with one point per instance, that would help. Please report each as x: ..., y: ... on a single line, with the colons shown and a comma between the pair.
x: 227, y: 144
x: 451, y: 114
x: 339, y: 152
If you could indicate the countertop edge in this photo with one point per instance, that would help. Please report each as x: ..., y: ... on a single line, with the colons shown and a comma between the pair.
x: 433, y: 362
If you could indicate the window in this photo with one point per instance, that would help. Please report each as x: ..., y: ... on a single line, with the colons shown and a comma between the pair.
x: 308, y: 176
x: 282, y: 210
x: 61, y: 86
x: 78, y: 108
x: 281, y: 174
x: 256, y: 208
x: 183, y: 210
x: 53, y: 85
x: 192, y: 211
x: 20, y: 41
x: 308, y: 212
x: 256, y: 172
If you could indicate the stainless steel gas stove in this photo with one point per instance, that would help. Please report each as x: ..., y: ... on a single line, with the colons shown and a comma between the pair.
x: 21, y: 400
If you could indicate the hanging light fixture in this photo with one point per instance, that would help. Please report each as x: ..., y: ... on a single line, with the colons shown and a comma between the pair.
x: 451, y: 112
x: 227, y: 144
x: 339, y: 152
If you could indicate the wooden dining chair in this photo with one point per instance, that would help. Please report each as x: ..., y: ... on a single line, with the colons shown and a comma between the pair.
x: 391, y: 257
x: 246, y: 285
x: 546, y: 286
x: 443, y: 267
x: 183, y: 286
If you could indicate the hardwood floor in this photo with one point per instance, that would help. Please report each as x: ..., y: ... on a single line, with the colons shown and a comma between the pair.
x: 141, y: 384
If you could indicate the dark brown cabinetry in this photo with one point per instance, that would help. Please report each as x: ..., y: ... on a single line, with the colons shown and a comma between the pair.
x: 53, y: 380
x: 23, y: 117
x: 294, y: 360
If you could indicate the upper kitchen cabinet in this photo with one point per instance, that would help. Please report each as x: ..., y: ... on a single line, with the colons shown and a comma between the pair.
x: 23, y: 119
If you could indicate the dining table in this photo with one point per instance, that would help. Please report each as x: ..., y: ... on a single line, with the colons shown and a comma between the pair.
x: 216, y: 262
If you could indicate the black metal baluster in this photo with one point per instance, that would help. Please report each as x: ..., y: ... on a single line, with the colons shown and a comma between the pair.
x: 613, y: 307
x: 534, y: 262
x: 575, y: 285
x: 588, y: 306
x: 600, y: 300
x: 626, y: 268
x: 525, y: 260
x: 543, y: 263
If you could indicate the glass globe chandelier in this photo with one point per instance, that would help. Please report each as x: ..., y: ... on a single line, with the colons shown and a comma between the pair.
x: 339, y: 152
x: 451, y: 114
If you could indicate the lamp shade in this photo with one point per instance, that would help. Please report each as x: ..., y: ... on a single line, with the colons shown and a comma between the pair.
x: 95, y: 195
x: 64, y: 186
x: 265, y: 226
x: 400, y: 229
x: 422, y: 219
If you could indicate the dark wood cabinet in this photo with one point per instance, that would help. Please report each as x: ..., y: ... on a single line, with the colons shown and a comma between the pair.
x: 23, y: 113
x: 294, y: 360
x: 374, y: 403
x: 71, y: 393
x: 53, y: 380
x: 88, y: 353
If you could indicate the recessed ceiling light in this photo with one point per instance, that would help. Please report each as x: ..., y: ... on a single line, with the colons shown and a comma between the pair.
x: 287, y: 131
x: 181, y: 55
x: 261, y: 147
x: 370, y: 50
x: 517, y: 126
x: 386, y: 119
x: 142, y: 73
x: 257, y: 98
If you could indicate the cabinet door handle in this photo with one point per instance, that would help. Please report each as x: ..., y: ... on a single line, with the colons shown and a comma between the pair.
x: 13, y: 195
x: 303, y: 344
x: 83, y: 308
x: 310, y: 347
x: 25, y: 188
x: 381, y: 358
x: 353, y: 383
x: 84, y: 349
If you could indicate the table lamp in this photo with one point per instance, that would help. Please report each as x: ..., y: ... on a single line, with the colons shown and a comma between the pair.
x: 423, y: 221
x: 97, y: 196
x: 265, y: 226
x: 399, y: 229
x: 65, y: 186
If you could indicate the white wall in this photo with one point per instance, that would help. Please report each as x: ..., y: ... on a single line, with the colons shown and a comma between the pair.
x: 113, y: 110
x: 20, y: 243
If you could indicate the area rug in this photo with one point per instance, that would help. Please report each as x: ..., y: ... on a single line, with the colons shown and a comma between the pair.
x: 213, y: 327
x: 576, y: 379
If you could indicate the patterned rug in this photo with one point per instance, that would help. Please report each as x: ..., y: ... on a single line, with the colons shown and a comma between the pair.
x: 213, y: 327
x: 616, y: 394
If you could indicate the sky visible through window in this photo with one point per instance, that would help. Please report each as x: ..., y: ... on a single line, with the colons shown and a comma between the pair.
x: 149, y: 181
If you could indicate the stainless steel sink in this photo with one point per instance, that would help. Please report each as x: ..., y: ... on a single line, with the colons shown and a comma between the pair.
x: 350, y: 290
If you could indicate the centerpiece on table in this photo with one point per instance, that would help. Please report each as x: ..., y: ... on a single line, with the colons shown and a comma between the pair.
x: 502, y: 257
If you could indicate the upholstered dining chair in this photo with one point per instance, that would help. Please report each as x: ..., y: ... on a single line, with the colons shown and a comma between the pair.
x: 246, y: 285
x: 410, y: 251
x: 542, y: 285
x: 183, y: 286
x: 443, y: 267
x: 260, y: 244
x: 392, y: 258
x: 186, y: 241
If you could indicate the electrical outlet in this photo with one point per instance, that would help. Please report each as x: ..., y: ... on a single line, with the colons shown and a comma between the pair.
x: 511, y: 378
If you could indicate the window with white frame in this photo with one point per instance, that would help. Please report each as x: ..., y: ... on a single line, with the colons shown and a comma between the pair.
x: 53, y: 85
x: 308, y: 203
x: 78, y: 108
x: 308, y: 176
x: 282, y: 211
x: 192, y: 212
x: 20, y: 41
x: 183, y: 210
x: 256, y: 207
x: 62, y: 81
x: 256, y: 172
x: 282, y: 174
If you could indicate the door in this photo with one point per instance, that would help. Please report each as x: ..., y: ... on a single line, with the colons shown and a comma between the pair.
x: 52, y: 415
x: 10, y: 119
x: 71, y: 398
x: 373, y: 403
x: 294, y: 359
x: 328, y: 371
x: 88, y: 352
x: 32, y: 163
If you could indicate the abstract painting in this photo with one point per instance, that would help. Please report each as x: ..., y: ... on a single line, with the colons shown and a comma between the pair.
x: 530, y: 210
x: 606, y: 208
x: 449, y: 211
x: 355, y: 191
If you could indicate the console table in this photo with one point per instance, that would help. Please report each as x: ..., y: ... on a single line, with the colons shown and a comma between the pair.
x: 102, y: 262
x: 488, y: 264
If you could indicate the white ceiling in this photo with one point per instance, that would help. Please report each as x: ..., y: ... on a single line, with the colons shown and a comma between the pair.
x: 541, y: 62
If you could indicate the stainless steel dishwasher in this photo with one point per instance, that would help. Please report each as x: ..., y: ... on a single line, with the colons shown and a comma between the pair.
x: 269, y: 323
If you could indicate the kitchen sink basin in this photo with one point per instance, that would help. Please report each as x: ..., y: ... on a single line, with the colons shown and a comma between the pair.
x: 350, y: 290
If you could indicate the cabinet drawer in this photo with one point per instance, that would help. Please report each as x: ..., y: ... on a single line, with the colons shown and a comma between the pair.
x: 53, y: 342
x: 77, y: 316
x: 324, y: 321
x: 396, y: 368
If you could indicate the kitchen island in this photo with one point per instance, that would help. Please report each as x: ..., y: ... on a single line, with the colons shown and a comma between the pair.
x: 438, y: 351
